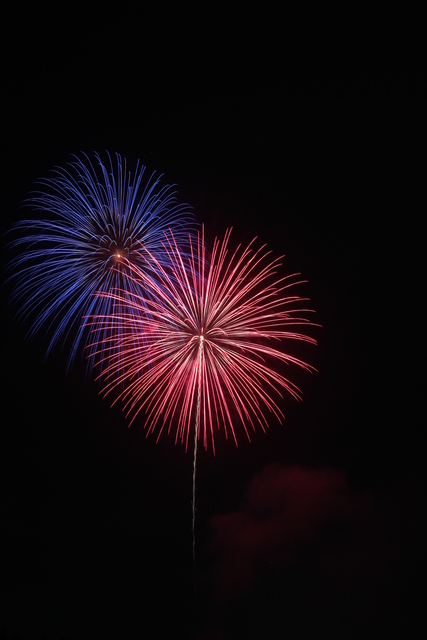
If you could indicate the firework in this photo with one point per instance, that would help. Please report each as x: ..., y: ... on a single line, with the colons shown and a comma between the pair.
x: 99, y: 220
x: 214, y: 331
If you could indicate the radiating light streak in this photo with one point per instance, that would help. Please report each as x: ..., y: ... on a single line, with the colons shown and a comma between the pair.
x: 98, y: 219
x: 216, y: 334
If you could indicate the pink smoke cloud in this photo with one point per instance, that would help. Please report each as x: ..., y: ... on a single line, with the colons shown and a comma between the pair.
x: 288, y: 513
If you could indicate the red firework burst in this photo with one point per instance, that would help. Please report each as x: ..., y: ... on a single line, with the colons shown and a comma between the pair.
x: 211, y: 331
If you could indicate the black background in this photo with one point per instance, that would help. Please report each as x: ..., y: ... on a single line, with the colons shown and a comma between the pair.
x: 309, y: 132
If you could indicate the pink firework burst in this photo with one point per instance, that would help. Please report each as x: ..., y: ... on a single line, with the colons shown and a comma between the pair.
x: 212, y: 334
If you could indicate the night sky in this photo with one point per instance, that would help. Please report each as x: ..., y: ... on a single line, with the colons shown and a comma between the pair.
x: 309, y: 135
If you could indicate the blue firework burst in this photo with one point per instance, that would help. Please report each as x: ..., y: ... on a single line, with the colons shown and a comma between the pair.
x: 97, y: 220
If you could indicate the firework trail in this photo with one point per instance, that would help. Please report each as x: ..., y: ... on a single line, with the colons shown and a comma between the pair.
x: 196, y: 437
x: 215, y: 333
x: 99, y: 219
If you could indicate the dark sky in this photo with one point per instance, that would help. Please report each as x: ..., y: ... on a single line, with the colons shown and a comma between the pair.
x: 309, y: 134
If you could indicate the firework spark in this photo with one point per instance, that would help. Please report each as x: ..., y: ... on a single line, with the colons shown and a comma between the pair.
x: 99, y: 219
x: 213, y: 329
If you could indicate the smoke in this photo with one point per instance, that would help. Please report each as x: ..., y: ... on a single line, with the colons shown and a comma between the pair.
x: 296, y: 518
